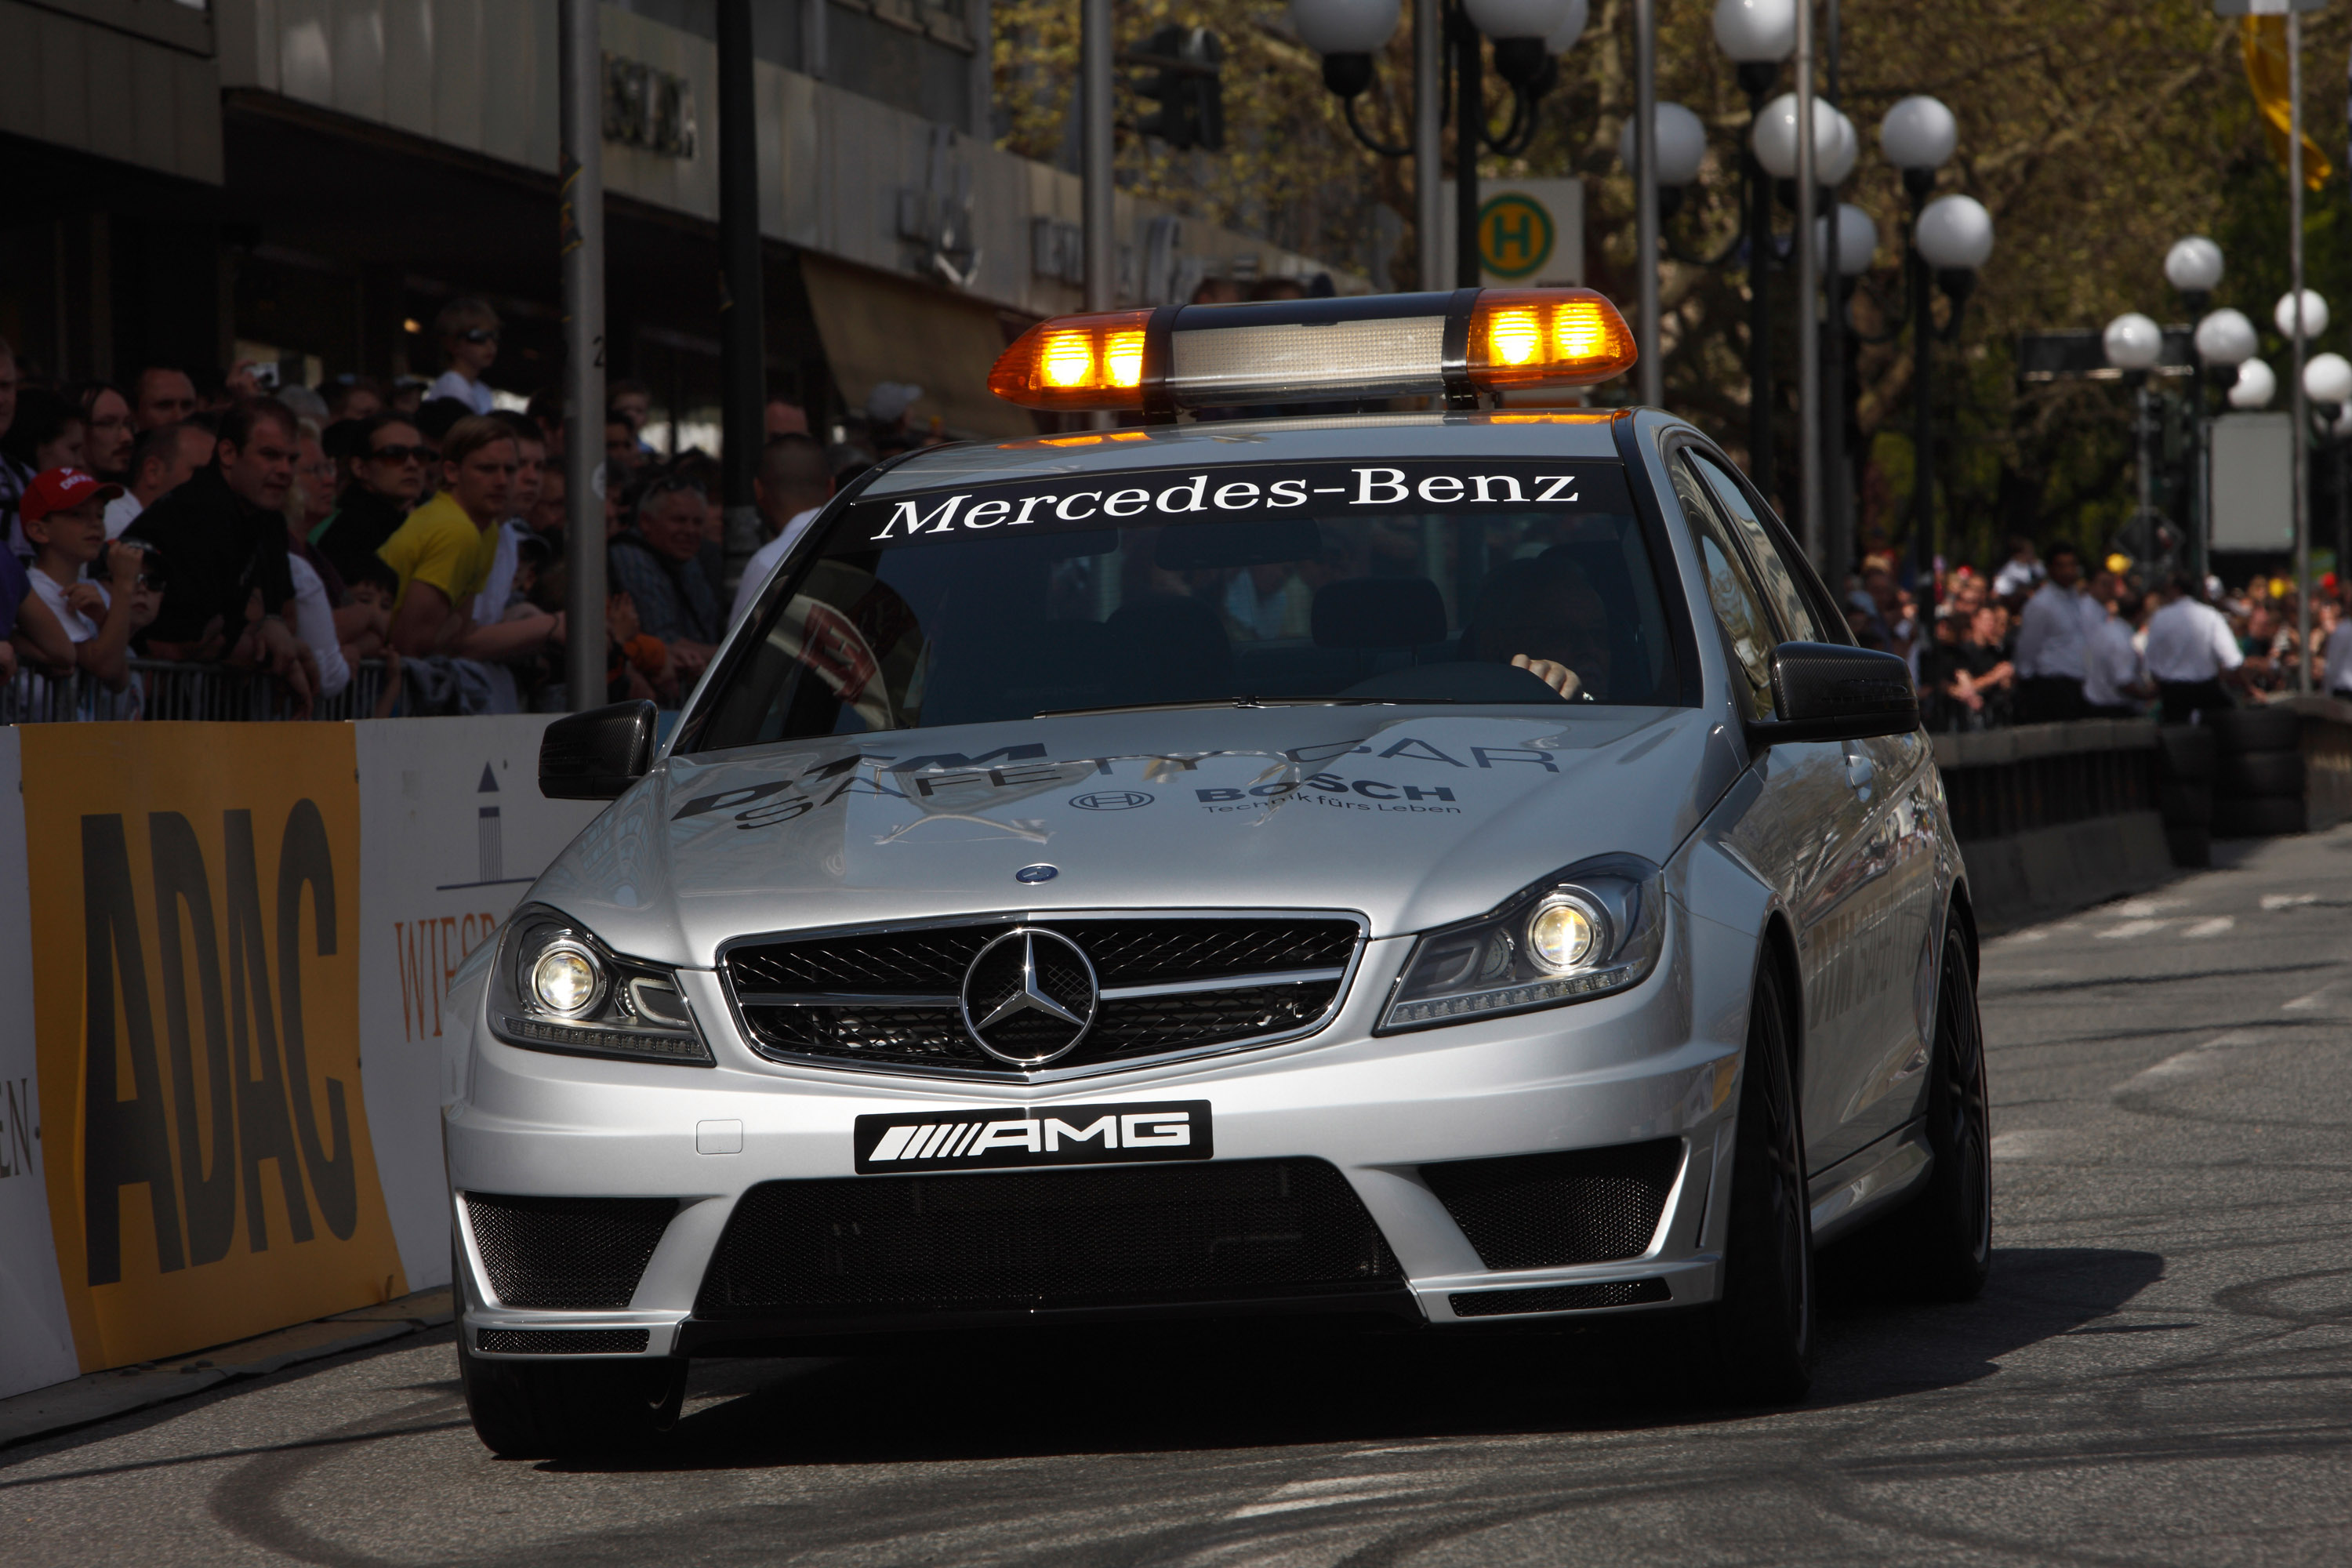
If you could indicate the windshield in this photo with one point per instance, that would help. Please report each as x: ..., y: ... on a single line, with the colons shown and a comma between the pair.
x: 1466, y: 581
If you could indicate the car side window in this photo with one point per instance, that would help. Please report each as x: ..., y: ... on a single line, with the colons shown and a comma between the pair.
x: 1731, y: 590
x: 1780, y: 584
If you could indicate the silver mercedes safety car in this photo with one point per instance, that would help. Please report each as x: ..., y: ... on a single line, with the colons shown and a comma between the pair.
x: 1446, y: 866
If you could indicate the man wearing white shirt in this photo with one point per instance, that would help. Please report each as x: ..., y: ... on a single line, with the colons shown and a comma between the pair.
x: 2339, y: 679
x: 793, y: 484
x: 2190, y: 652
x: 2051, y: 645
x: 2113, y: 682
x: 468, y: 333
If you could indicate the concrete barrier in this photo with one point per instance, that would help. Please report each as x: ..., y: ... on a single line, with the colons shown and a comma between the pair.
x: 2053, y: 818
x: 2326, y: 759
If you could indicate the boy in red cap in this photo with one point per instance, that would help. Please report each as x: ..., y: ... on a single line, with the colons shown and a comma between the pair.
x: 64, y: 515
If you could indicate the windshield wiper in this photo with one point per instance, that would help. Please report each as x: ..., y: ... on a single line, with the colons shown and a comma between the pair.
x: 1248, y: 702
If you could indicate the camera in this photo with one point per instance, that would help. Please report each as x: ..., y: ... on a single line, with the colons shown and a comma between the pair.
x: 152, y: 571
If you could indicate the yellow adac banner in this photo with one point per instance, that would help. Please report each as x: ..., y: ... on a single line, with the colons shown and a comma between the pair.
x: 195, y: 909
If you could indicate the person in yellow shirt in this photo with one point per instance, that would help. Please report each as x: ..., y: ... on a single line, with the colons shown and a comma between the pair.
x: 444, y: 551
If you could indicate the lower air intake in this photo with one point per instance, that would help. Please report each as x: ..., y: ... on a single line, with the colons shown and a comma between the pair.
x: 1221, y: 1231
x: 562, y: 1341
x: 1558, y: 1298
x: 565, y: 1252
x: 1547, y: 1211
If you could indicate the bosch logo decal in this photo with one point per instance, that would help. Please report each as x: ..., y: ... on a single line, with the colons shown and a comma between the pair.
x: 1111, y: 800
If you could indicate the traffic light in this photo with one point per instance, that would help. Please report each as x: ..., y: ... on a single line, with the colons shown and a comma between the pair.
x: 1183, y: 81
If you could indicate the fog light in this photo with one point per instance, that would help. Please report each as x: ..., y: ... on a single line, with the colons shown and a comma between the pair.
x: 565, y: 979
x: 1560, y: 936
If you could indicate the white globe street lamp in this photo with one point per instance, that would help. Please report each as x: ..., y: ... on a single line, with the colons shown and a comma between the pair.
x: 2257, y: 384
x: 1954, y: 233
x: 1345, y: 26
x: 1918, y: 132
x: 1856, y: 245
x: 1774, y: 138
x: 1563, y: 37
x: 2327, y: 378
x: 2193, y: 265
x: 1682, y: 146
x: 2315, y: 314
x: 1756, y: 32
x: 2226, y: 338
x: 2133, y: 342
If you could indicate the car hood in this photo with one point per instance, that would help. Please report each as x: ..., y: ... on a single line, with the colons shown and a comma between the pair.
x: 1410, y: 816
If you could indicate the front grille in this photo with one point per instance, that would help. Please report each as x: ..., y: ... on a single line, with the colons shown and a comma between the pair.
x: 562, y: 1341
x: 1104, y: 1235
x: 566, y: 1252
x: 899, y: 989
x: 1546, y: 1211
x: 1558, y: 1298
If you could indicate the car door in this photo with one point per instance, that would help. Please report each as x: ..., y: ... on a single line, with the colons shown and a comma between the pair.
x: 1865, y: 1021
x: 1809, y: 822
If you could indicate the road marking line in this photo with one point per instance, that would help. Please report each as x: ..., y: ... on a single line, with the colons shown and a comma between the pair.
x: 1331, y: 1491
x: 2133, y: 928
x: 2288, y: 900
x: 2029, y: 1142
x: 2139, y: 908
x: 2213, y: 927
x: 2306, y: 1004
x: 2195, y: 1062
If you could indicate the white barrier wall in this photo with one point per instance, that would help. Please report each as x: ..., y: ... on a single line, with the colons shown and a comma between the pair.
x: 37, y: 1345
x: 453, y: 830
x: 226, y: 952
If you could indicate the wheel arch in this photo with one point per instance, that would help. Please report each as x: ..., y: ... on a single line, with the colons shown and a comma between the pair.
x: 1964, y: 914
x: 1778, y: 948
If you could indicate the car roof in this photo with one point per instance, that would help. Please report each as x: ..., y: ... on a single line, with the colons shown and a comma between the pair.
x: 1562, y: 433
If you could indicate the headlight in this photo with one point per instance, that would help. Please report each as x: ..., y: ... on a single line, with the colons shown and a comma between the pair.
x: 556, y: 988
x: 1594, y: 928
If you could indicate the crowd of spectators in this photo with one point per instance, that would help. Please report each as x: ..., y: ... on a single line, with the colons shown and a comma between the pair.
x: 305, y: 531
x: 2043, y: 638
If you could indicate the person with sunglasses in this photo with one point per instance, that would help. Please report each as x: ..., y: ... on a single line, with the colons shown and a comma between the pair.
x: 385, y: 462
x: 467, y: 331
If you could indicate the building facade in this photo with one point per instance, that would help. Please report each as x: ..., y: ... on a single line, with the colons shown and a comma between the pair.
x: 308, y: 180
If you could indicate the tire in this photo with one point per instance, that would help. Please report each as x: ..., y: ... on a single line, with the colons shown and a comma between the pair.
x: 2244, y: 729
x: 554, y: 1408
x: 1946, y: 1233
x: 2187, y: 752
x: 2185, y: 805
x: 2192, y: 847
x: 1756, y: 1343
x: 2261, y: 775
x: 2271, y: 818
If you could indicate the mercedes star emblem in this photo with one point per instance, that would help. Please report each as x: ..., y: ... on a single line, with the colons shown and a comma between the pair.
x: 1029, y: 996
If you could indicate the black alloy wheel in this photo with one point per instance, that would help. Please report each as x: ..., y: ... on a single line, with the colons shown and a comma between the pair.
x: 561, y: 1406
x: 1757, y: 1341
x: 1948, y: 1229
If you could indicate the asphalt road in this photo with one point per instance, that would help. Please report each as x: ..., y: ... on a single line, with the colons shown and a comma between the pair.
x: 2161, y: 1371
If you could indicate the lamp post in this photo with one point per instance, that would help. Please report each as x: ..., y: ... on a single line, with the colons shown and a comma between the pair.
x: 1918, y: 136
x: 1811, y: 164
x: 2327, y: 382
x: 1849, y: 248
x: 2225, y: 341
x: 1757, y: 34
x: 2193, y: 268
x: 1526, y: 34
x: 1952, y: 239
x: 2134, y: 345
x: 2299, y: 327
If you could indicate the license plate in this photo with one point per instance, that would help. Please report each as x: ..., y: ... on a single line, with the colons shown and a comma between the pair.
x: 1042, y: 1135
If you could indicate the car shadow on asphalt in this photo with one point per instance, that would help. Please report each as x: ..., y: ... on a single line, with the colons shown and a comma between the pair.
x: 1251, y: 1387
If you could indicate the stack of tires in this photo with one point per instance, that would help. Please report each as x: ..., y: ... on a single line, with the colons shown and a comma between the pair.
x: 2188, y: 756
x: 2258, y: 781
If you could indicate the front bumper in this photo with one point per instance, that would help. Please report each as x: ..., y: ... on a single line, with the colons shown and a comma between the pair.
x: 1657, y: 1062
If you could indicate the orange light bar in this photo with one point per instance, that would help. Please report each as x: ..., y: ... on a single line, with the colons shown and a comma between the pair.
x: 1546, y: 337
x: 1076, y: 362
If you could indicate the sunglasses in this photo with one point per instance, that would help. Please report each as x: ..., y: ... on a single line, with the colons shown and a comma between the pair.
x: 479, y: 334
x: 397, y: 454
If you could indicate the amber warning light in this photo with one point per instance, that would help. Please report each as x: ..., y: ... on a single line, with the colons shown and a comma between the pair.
x: 1464, y: 346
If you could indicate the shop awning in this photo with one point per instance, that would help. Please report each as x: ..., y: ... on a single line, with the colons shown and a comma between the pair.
x: 878, y: 328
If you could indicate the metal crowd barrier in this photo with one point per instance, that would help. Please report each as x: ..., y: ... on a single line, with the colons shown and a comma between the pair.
x: 161, y: 688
